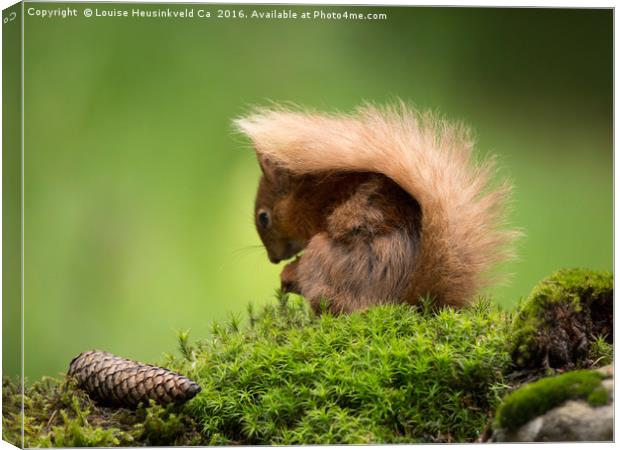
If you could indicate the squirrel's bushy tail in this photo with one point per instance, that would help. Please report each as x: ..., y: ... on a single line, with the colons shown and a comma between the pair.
x: 461, y: 233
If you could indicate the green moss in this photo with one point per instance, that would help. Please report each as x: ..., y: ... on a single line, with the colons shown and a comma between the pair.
x: 77, y: 432
x: 598, y: 397
x: 282, y: 375
x: 544, y: 331
x: 391, y: 374
x: 537, y: 398
x: 11, y: 412
x: 59, y: 415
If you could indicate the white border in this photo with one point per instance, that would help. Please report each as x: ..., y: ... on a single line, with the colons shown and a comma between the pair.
x: 480, y: 3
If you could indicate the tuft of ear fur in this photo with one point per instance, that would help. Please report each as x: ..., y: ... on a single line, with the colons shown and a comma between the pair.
x: 463, y: 230
x: 267, y: 166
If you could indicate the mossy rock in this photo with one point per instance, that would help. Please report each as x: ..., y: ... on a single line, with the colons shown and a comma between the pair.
x: 566, y: 322
x: 535, y: 399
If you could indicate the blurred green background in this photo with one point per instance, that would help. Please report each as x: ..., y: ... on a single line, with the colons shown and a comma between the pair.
x: 139, y: 196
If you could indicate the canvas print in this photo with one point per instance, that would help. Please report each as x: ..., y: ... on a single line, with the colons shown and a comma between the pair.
x: 245, y: 224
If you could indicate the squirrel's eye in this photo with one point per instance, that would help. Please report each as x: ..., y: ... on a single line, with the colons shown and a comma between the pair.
x: 263, y: 219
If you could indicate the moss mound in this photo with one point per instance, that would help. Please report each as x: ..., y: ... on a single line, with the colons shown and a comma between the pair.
x: 391, y: 374
x: 537, y: 398
x: 566, y: 322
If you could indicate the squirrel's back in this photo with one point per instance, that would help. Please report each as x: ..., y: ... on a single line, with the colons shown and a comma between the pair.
x: 461, y: 229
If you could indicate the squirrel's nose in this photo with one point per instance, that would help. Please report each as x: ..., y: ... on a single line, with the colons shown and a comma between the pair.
x: 273, y: 259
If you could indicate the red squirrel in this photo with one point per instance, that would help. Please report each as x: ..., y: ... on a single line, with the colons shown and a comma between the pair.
x: 386, y: 205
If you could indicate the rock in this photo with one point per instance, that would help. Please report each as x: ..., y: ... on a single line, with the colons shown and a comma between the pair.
x: 574, y: 421
x: 577, y: 421
x: 607, y: 371
x: 584, y: 414
x: 609, y: 386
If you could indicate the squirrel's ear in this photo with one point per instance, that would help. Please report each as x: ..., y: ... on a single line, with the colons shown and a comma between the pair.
x: 272, y: 172
x: 267, y: 166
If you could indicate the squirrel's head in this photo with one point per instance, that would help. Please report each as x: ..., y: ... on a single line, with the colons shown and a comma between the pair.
x: 274, y: 212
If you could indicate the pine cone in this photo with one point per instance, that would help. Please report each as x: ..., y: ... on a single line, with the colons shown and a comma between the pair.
x: 117, y: 381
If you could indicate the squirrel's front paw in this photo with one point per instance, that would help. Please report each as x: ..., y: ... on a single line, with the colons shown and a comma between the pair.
x: 288, y: 278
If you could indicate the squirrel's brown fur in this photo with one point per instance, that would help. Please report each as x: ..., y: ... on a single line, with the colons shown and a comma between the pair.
x: 387, y: 204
